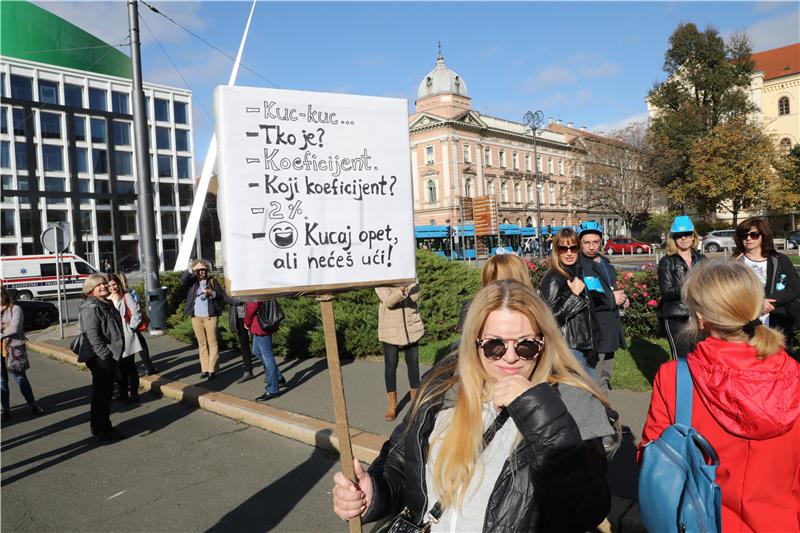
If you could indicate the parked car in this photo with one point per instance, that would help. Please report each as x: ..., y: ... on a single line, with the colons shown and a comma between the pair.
x: 37, y: 314
x: 793, y: 240
x: 620, y: 245
x: 721, y: 239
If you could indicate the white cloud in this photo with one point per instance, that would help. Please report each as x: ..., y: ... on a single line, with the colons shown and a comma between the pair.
x: 767, y: 7
x: 580, y: 66
x: 775, y: 32
x: 599, y: 70
x: 616, y: 125
x: 551, y: 76
x: 554, y: 99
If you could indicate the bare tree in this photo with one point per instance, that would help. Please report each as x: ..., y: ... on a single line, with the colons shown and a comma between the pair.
x: 616, y: 175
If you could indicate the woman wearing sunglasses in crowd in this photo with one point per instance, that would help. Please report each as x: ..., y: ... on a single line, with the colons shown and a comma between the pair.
x: 545, y: 468
x: 681, y: 255
x: 565, y: 293
x: 781, y: 308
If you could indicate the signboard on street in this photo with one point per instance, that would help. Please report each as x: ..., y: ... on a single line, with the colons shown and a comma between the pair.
x: 467, y: 207
x: 485, y: 208
x: 314, y: 191
x: 55, y: 239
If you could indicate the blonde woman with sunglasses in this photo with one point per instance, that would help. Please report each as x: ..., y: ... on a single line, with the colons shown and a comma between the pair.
x: 545, y: 467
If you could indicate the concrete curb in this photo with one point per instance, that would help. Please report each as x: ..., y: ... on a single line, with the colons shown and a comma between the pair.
x: 302, y: 428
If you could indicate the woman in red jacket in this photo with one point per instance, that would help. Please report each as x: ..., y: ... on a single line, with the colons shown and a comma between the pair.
x: 746, y: 399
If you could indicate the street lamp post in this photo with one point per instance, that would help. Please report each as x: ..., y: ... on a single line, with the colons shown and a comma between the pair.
x: 534, y: 122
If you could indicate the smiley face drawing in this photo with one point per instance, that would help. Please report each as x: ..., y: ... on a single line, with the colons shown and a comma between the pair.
x: 283, y: 235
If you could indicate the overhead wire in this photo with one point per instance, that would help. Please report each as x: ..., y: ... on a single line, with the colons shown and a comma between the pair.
x: 187, y: 30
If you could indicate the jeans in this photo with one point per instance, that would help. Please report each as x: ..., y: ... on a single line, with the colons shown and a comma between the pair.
x: 262, y: 347
x: 22, y: 382
x: 581, y: 357
x: 102, y: 390
x: 391, y: 354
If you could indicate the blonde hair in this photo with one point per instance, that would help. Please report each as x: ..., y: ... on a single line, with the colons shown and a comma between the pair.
x: 564, y: 237
x: 727, y: 295
x: 91, y: 282
x: 505, y: 266
x: 461, y: 442
x: 672, y: 247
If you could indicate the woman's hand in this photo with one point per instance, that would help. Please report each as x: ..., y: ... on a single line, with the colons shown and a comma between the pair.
x: 508, y: 389
x: 349, y: 499
x: 768, y: 305
x: 576, y: 285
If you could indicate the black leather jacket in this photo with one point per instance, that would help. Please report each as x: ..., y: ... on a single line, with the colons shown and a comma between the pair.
x: 554, y: 481
x: 671, y: 271
x: 572, y: 313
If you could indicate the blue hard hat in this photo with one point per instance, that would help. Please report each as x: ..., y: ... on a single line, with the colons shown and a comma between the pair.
x: 590, y: 227
x: 682, y: 224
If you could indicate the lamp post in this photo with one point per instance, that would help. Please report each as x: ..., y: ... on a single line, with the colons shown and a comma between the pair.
x: 534, y: 122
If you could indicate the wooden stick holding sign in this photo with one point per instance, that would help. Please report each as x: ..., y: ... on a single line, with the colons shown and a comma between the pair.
x: 339, y: 403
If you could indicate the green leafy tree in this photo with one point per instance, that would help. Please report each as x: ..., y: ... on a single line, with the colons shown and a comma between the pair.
x: 707, y: 84
x: 784, y: 194
x: 731, y: 168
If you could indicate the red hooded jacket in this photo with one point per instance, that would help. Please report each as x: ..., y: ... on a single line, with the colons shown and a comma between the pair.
x: 747, y: 409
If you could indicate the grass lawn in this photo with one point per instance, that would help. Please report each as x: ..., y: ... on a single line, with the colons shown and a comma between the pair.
x: 795, y: 259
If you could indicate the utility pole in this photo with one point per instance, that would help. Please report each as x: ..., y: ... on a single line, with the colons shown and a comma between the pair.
x: 534, y: 121
x: 154, y: 294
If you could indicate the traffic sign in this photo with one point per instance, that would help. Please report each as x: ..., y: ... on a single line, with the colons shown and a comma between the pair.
x: 56, y: 238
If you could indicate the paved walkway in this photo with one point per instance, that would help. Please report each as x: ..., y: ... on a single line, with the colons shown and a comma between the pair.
x: 305, y: 411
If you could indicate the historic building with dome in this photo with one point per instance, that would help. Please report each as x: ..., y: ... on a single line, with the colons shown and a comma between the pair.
x: 458, y: 152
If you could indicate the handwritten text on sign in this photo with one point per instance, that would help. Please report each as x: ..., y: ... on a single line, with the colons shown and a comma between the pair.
x: 315, y: 189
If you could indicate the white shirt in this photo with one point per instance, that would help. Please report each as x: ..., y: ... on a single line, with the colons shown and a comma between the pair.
x: 760, y: 269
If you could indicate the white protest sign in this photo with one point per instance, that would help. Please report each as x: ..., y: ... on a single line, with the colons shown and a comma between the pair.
x: 314, y: 191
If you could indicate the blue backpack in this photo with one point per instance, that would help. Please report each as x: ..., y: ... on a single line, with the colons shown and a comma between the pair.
x: 677, y: 485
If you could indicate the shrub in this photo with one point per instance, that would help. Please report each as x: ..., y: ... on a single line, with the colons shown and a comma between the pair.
x: 643, y: 293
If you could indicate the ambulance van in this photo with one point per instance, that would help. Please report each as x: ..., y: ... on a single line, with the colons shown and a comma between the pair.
x: 34, y: 276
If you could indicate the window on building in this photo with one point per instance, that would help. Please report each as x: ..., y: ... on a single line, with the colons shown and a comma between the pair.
x: 19, y: 120
x: 73, y: 95
x: 166, y: 194
x: 487, y: 157
x: 180, y: 109
x: 468, y: 187
x: 122, y: 133
x: 164, y: 166
x: 169, y: 222
x: 514, y: 160
x: 98, y: 128
x: 55, y: 185
x: 3, y: 119
x: 103, y: 222
x: 504, y: 192
x: 102, y: 187
x: 162, y: 138
x: 517, y: 199
x: 6, y: 184
x: 429, y: 155
x: 85, y: 185
x: 100, y: 161
x: 21, y: 87
x: 183, y: 167
x: 25, y: 226
x: 97, y: 99
x: 529, y: 193
x: 783, y: 105
x: 86, y: 229
x: 3, y: 84
x: 552, y: 191
x: 502, y: 157
x: 431, y: 192
x: 5, y: 154
x: 561, y: 167
x: 50, y: 125
x: 52, y: 158
x: 7, y: 225
x: 528, y: 162
x: 491, y: 187
x: 119, y: 102
x: 467, y: 154
x: 182, y: 140
x: 123, y: 163
x: 786, y: 145
x: 127, y: 222
x: 80, y: 128
x: 538, y: 163
x: 185, y: 194
x: 549, y: 165
x: 562, y: 193
x: 21, y: 155
x: 162, y: 110
x: 48, y: 91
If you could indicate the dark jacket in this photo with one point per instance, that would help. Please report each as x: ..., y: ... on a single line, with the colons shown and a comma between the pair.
x: 783, y: 286
x: 603, y: 305
x: 101, y: 328
x: 554, y: 481
x: 671, y: 271
x: 571, y: 312
x: 215, y: 303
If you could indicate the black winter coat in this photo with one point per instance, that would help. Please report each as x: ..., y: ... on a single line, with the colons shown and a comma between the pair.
x: 671, y: 271
x: 571, y: 312
x: 783, y: 286
x: 215, y: 303
x: 554, y: 481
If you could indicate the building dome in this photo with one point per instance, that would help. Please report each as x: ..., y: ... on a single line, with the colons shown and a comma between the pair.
x: 441, y: 80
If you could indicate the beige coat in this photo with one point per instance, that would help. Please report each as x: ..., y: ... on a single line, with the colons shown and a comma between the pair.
x: 399, y: 322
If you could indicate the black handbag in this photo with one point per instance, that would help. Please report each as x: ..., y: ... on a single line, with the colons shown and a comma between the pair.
x: 403, y: 523
x: 75, y: 345
x: 269, y: 314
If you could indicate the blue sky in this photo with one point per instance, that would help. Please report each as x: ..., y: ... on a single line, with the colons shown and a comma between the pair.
x: 590, y: 63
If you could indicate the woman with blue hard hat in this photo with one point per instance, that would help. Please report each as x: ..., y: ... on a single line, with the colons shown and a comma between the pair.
x: 681, y: 256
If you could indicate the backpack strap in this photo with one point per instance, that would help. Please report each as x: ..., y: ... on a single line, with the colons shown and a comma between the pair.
x: 683, y: 397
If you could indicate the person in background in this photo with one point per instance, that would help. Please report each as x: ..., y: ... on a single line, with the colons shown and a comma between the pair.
x: 545, y: 468
x: 781, y: 303
x: 746, y: 398
x: 600, y: 278
x: 236, y: 316
x: 204, y: 302
x: 681, y: 256
x: 399, y: 327
x: 101, y: 348
x: 565, y: 294
x: 149, y: 369
x: 262, y: 347
x: 14, y: 355
x: 131, y: 317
